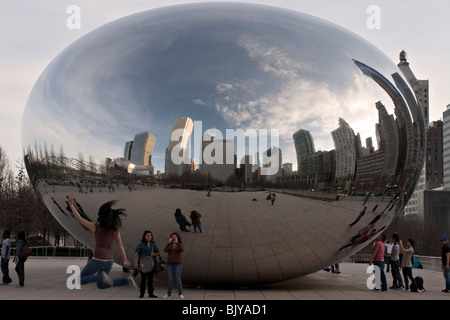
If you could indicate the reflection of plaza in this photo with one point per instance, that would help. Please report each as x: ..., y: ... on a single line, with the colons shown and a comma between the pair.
x: 242, y: 241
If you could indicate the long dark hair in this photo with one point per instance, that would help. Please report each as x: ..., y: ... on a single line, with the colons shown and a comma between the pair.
x: 110, y: 218
x: 178, y: 236
x: 21, y: 236
x: 143, y: 236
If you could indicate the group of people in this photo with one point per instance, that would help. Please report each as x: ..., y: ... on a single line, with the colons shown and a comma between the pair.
x: 6, y: 257
x: 401, y: 258
x: 106, y: 232
x: 183, y: 222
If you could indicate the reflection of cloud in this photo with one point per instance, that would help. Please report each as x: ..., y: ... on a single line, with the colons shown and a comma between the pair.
x: 198, y: 101
x: 223, y: 87
x: 271, y: 58
x: 301, y: 104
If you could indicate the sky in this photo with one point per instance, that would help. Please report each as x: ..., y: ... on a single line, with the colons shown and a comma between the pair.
x: 33, y: 33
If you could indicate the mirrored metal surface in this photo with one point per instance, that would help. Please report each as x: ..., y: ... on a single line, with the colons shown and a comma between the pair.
x: 212, y: 107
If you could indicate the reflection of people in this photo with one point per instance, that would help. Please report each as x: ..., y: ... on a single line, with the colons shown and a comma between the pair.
x: 181, y: 220
x: 446, y: 263
x: 378, y: 259
x: 20, y: 262
x: 195, y: 218
x: 106, y: 231
x: 361, y: 214
x: 6, y: 254
x: 355, y: 241
x: 406, y: 263
x: 209, y: 192
x: 174, y: 248
x: 273, y: 198
x: 146, y: 247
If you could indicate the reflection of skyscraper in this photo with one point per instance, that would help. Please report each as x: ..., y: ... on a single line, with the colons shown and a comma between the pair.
x: 142, y: 149
x: 345, y: 146
x: 177, y: 158
x: 388, y: 141
x: 215, y: 162
x: 270, y: 158
x: 304, y: 147
x: 127, y: 151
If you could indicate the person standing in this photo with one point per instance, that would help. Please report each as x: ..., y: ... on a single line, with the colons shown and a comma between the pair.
x: 174, y: 248
x: 146, y: 247
x: 446, y: 263
x: 377, y: 259
x: 387, y: 253
x: 195, y: 218
x: 6, y: 255
x: 397, y: 281
x: 406, y: 263
x: 361, y: 214
x: 106, y: 232
x: 20, y: 262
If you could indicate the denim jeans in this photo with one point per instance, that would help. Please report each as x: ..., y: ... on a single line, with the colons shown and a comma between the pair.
x: 199, y: 226
x: 446, y: 272
x: 396, y: 277
x: 174, y: 273
x: 92, y: 273
x: 407, y: 273
x: 5, y: 270
x: 380, y: 264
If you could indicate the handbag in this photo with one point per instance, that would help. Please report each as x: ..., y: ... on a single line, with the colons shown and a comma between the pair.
x: 146, y: 264
x: 25, y: 252
x: 160, y: 264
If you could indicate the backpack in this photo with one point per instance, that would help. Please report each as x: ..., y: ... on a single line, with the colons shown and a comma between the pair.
x: 419, y: 282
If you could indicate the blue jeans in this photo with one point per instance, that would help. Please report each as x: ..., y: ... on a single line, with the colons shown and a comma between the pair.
x: 380, y: 264
x: 5, y: 270
x: 407, y: 273
x: 447, y: 278
x: 198, y: 225
x: 174, y: 272
x: 92, y: 273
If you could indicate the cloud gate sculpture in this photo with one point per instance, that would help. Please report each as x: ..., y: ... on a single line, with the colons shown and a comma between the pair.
x: 215, y: 108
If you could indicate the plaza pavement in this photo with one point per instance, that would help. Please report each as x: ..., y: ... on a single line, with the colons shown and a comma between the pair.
x: 45, y: 279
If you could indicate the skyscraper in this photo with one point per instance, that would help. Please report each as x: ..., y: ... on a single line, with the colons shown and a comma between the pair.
x: 421, y: 92
x: 177, y: 153
x: 446, y: 147
x: 142, y: 149
x: 345, y: 145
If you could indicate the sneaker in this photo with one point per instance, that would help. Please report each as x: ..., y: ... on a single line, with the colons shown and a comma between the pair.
x: 166, y: 296
x: 181, y: 296
x: 132, y: 283
x: 445, y: 291
x: 107, y: 279
x: 402, y: 287
x: 152, y: 296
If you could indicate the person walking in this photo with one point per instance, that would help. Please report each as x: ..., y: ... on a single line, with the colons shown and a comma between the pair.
x: 195, y: 218
x: 20, y: 262
x: 146, y: 247
x: 446, y: 263
x: 361, y: 214
x: 6, y: 255
x: 406, y: 263
x: 106, y: 232
x: 397, y: 281
x: 181, y: 220
x: 174, y: 248
x: 273, y: 198
x: 377, y: 259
